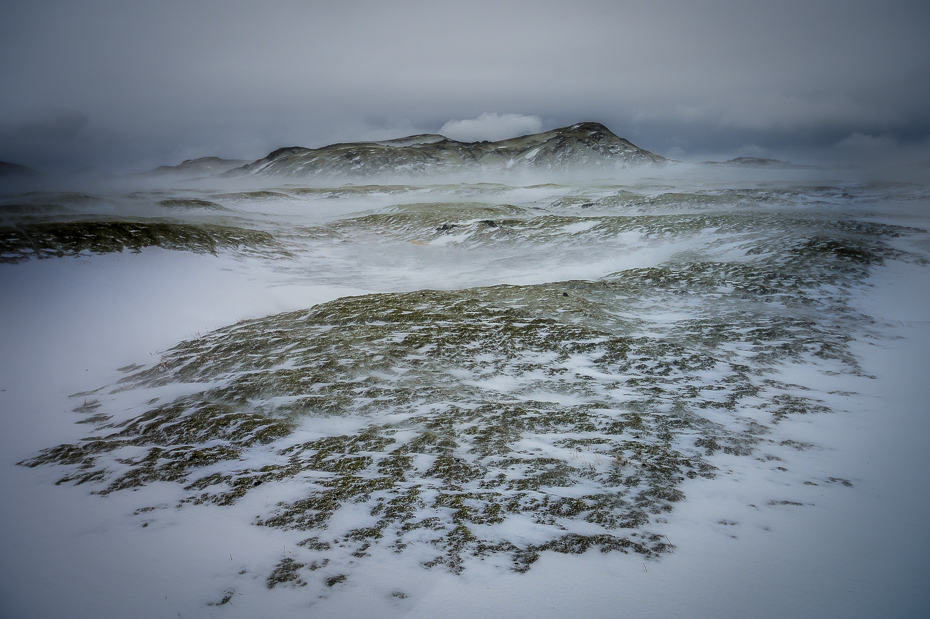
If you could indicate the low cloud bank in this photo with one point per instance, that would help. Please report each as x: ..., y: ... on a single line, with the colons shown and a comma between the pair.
x: 491, y: 126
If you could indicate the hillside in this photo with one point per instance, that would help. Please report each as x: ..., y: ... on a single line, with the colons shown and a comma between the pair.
x: 584, y: 146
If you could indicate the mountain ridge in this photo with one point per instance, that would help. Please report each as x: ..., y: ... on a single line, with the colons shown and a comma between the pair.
x: 582, y: 146
x: 203, y: 166
x: 750, y: 161
x: 16, y: 171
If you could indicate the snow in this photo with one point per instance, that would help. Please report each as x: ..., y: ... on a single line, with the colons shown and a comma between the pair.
x: 67, y: 324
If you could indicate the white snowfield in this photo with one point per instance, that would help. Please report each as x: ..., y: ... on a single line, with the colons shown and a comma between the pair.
x: 691, y: 394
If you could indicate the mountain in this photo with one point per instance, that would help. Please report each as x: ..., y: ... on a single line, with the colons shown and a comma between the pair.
x: 204, y: 166
x: 16, y: 171
x: 582, y: 147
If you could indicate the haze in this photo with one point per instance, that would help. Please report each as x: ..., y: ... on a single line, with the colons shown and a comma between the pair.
x: 126, y: 87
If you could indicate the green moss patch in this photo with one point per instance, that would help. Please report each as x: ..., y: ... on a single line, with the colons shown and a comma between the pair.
x: 191, y: 203
x: 575, y: 410
x: 68, y: 238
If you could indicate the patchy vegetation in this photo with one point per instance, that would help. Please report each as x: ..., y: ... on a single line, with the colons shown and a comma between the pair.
x: 69, y: 238
x: 191, y: 203
x: 571, y: 411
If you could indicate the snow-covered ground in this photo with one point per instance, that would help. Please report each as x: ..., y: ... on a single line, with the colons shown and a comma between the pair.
x: 819, y: 509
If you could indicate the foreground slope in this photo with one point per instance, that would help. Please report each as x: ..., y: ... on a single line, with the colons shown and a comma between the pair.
x: 685, y: 398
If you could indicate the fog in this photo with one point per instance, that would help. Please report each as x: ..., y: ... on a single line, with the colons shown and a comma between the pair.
x: 129, y: 87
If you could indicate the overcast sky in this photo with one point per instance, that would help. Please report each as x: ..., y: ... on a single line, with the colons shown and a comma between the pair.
x: 128, y: 85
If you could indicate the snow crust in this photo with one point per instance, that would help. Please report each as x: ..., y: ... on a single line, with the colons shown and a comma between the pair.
x: 754, y: 541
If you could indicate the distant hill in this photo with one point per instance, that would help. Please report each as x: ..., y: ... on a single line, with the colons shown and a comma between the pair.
x: 749, y: 161
x: 16, y: 171
x: 584, y: 146
x: 204, y: 166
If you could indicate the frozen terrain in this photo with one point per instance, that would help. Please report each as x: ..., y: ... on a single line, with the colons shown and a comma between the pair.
x: 697, y: 393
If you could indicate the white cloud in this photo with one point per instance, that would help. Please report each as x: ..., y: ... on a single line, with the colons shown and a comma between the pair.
x: 491, y: 126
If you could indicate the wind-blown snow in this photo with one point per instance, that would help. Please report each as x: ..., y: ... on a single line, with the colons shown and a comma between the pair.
x: 819, y: 512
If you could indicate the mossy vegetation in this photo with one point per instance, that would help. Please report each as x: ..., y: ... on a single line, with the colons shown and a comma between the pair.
x: 191, y: 203
x: 455, y: 460
x: 349, y: 190
x: 249, y: 196
x: 287, y: 572
x: 68, y: 238
x: 576, y: 409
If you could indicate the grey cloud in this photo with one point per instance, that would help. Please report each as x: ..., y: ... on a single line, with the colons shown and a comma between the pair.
x: 859, y: 142
x: 58, y: 124
x: 232, y: 78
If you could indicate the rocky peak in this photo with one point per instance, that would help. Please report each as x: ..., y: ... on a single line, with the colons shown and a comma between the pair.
x: 579, y: 147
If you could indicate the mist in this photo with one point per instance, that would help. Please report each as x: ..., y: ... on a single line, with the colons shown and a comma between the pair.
x: 126, y: 88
